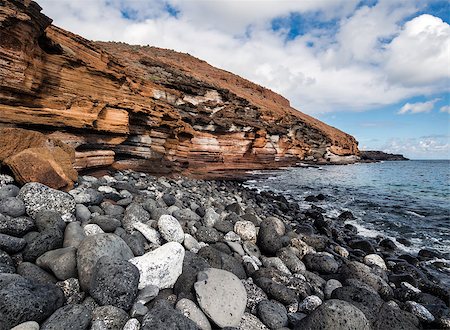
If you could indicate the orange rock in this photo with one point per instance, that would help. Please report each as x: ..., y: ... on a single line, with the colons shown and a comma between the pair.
x: 40, y: 165
x: 158, y: 110
x: 32, y: 157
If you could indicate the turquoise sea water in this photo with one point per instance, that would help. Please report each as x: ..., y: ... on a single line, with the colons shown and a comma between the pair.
x: 399, y: 199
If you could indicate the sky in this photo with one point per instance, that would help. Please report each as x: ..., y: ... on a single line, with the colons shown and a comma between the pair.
x: 376, y: 69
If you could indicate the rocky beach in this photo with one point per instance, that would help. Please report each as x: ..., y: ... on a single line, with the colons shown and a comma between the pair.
x: 131, y: 251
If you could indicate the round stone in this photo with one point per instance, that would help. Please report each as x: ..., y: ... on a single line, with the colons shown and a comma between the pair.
x: 189, y: 309
x: 68, y: 317
x: 62, y: 262
x: 272, y: 314
x: 221, y: 296
x: 73, y: 235
x: 170, y: 229
x: 246, y: 230
x: 93, y: 248
x: 12, y: 206
x: 114, y: 282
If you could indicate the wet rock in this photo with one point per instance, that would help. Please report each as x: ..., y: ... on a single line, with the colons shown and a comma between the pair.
x: 388, y: 244
x: 160, y: 267
x: 221, y: 296
x: 92, y: 248
x: 346, y: 215
x: 272, y: 314
x: 336, y: 314
x: 62, y: 262
x: 114, y: 282
x: 68, y: 317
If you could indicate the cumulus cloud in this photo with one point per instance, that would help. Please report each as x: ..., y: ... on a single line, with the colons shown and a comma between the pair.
x: 436, y: 146
x: 418, y: 107
x: 445, y: 108
x: 355, y: 65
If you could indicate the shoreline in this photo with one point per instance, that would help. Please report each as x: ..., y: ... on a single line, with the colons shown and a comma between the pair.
x: 295, y: 267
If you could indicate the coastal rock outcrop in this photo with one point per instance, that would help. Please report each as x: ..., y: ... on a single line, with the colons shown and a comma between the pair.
x: 147, y: 108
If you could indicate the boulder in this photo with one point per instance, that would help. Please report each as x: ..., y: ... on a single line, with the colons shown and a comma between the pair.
x: 92, y: 248
x: 68, y: 317
x: 221, y: 296
x: 160, y: 267
x: 52, y: 160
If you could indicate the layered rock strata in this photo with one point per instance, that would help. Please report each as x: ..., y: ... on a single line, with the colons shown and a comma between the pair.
x: 147, y: 108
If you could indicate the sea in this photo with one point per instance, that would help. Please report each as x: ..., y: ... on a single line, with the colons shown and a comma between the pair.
x: 394, y: 199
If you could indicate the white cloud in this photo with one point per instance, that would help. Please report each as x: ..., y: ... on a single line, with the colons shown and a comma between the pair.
x: 445, y: 108
x: 352, y: 67
x: 437, y: 147
x: 418, y: 107
x: 420, y: 54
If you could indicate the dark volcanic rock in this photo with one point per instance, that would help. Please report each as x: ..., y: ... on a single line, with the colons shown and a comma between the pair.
x: 11, y: 244
x: 70, y: 317
x: 321, y: 262
x: 192, y: 265
x: 15, y: 226
x: 49, y: 239
x: 163, y: 317
x: 109, y: 317
x: 337, y: 315
x: 35, y: 273
x: 268, y: 240
x: 114, y: 282
x: 12, y: 206
x: 27, y: 301
x: 390, y: 318
x: 272, y: 314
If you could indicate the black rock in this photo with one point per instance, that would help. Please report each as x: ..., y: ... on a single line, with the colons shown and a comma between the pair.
x: 311, y: 199
x: 200, y: 211
x: 234, y: 207
x: 410, y: 259
x: 276, y: 291
x: 169, y: 199
x: 321, y: 262
x: 25, y: 300
x: 48, y: 239
x: 314, y: 215
x: 404, y: 241
x: 35, y: 273
x: 162, y: 317
x: 114, y: 282
x: 426, y: 254
x: 107, y: 223
x: 192, y: 265
x: 390, y: 318
x: 110, y: 317
x: 15, y: 226
x: 11, y: 244
x: 321, y: 197
x: 367, y: 301
x: 224, y: 226
x: 337, y: 315
x: 346, y: 215
x: 6, y: 263
x: 136, y: 241
x: 208, y: 235
x: 49, y: 220
x: 272, y: 314
x: 362, y: 244
x: 268, y: 239
x: 399, y: 278
x: 221, y: 260
x: 74, y: 317
x: 12, y: 206
x: 388, y: 244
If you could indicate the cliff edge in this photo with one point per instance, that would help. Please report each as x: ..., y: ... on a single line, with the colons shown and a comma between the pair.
x: 146, y: 108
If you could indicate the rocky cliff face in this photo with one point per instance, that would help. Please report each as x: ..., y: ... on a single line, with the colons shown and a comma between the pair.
x: 147, y: 108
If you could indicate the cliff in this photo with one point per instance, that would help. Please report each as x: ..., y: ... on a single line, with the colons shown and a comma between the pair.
x: 146, y: 108
x: 373, y: 155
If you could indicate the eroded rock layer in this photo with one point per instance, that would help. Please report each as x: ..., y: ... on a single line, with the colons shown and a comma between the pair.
x: 147, y: 108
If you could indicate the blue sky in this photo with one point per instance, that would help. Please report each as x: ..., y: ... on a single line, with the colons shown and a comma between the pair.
x: 377, y: 69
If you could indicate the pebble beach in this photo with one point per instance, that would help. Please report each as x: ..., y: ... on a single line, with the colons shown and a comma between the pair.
x: 132, y: 251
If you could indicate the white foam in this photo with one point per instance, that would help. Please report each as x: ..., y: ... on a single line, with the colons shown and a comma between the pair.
x: 415, y: 214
